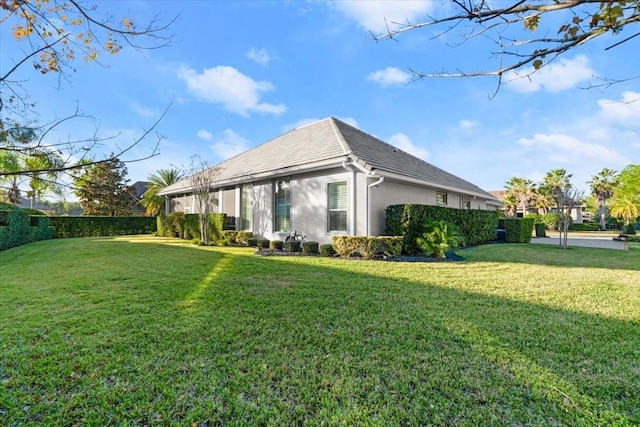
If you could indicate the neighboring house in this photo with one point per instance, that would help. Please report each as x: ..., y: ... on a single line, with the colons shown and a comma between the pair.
x: 325, y: 179
x: 136, y: 191
x: 578, y: 214
x: 27, y: 203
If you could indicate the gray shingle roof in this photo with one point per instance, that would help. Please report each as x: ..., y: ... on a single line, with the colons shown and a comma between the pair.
x: 325, y: 141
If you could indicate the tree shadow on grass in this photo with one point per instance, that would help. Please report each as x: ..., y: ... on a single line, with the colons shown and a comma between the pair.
x: 232, y: 338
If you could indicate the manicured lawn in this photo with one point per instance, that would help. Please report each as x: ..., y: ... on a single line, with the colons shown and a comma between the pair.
x: 151, y: 331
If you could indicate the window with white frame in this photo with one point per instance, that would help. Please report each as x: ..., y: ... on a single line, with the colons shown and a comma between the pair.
x: 282, y: 205
x: 441, y: 198
x: 246, y: 207
x: 337, y: 206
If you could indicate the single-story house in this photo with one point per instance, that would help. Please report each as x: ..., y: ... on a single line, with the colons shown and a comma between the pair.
x: 324, y: 179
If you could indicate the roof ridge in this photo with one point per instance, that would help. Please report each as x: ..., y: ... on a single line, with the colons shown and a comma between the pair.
x: 341, y: 139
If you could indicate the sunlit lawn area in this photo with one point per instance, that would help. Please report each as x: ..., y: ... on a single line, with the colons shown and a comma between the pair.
x: 152, y: 331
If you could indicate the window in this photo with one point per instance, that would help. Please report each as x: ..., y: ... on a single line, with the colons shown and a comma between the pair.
x: 282, y: 206
x: 246, y: 207
x: 465, y: 203
x: 337, y: 206
x: 441, y: 198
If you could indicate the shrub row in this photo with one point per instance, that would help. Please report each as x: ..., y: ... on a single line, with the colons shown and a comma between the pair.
x: 585, y: 226
x: 187, y: 226
x: 367, y: 247
x: 93, y: 226
x: 476, y: 226
x: 233, y: 237
x: 18, y: 228
x: 518, y: 230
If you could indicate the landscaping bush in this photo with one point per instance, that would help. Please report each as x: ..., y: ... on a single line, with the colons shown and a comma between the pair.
x: 94, y: 226
x: 519, y: 230
x: 310, y: 247
x: 438, y: 238
x: 630, y: 229
x: 292, y: 246
x: 476, y: 226
x: 327, y: 249
x: 216, y: 225
x: 230, y: 237
x: 585, y: 226
x: 550, y: 220
x: 275, y: 245
x: 263, y: 243
x: 242, y: 238
x: 252, y: 242
x: 175, y: 225
x: 367, y: 247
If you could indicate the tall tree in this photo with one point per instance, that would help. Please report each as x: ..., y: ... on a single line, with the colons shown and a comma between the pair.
x: 562, y: 25
x: 555, y: 183
x: 10, y: 161
x: 102, y: 189
x: 163, y: 178
x: 53, y: 35
x: 522, y: 190
x: 602, y: 186
x: 41, y: 182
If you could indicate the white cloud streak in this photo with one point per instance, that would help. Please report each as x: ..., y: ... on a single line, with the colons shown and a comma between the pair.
x: 390, y: 76
x: 558, y: 76
x: 227, y: 86
x: 376, y: 16
x: 259, y: 56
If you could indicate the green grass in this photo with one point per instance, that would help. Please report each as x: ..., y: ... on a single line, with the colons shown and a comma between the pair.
x: 151, y: 331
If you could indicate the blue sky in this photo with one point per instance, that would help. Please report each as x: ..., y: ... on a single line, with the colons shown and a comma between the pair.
x: 242, y: 72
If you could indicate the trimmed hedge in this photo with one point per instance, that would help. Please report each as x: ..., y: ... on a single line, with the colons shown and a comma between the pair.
x: 292, y: 246
x: 367, y: 247
x: 18, y: 228
x: 234, y: 237
x: 585, y: 226
x: 216, y: 225
x: 94, y: 226
x: 310, y: 247
x: 327, y: 249
x: 476, y: 226
x: 518, y: 230
x: 276, y: 245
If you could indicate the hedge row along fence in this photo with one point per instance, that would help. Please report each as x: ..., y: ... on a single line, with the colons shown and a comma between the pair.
x: 477, y: 226
x: 95, y: 226
x: 17, y: 228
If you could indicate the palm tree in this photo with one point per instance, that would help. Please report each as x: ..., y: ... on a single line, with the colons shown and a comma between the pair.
x: 523, y: 190
x: 602, y: 186
x: 626, y: 206
x: 543, y: 200
x: 556, y: 182
x: 161, y: 179
x: 41, y: 182
x: 11, y: 162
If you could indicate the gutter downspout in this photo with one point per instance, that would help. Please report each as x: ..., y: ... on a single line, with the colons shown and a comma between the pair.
x: 369, y: 187
x: 352, y: 197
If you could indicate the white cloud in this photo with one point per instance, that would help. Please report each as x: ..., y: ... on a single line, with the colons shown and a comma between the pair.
x: 560, y: 75
x: 227, y: 86
x: 375, y: 16
x: 468, y: 124
x: 229, y: 144
x: 260, y: 56
x: 625, y: 112
x: 204, y: 134
x: 141, y: 110
x: 565, y: 149
x: 404, y: 143
x: 390, y: 76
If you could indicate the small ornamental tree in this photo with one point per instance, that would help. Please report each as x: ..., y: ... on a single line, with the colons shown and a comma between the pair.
x: 102, y: 189
x: 202, y: 178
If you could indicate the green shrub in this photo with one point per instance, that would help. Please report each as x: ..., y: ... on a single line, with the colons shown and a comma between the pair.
x: 275, y: 245
x: 192, y: 227
x: 19, y: 228
x: 476, y: 226
x: 310, y: 247
x: 230, y: 237
x: 252, y: 242
x: 242, y: 238
x: 519, y: 230
x: 93, y: 226
x: 263, y: 243
x: 550, y: 220
x: 630, y: 229
x: 585, y: 226
x: 327, y: 249
x: 292, y: 246
x: 367, y: 247
x: 438, y: 238
x: 175, y: 222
